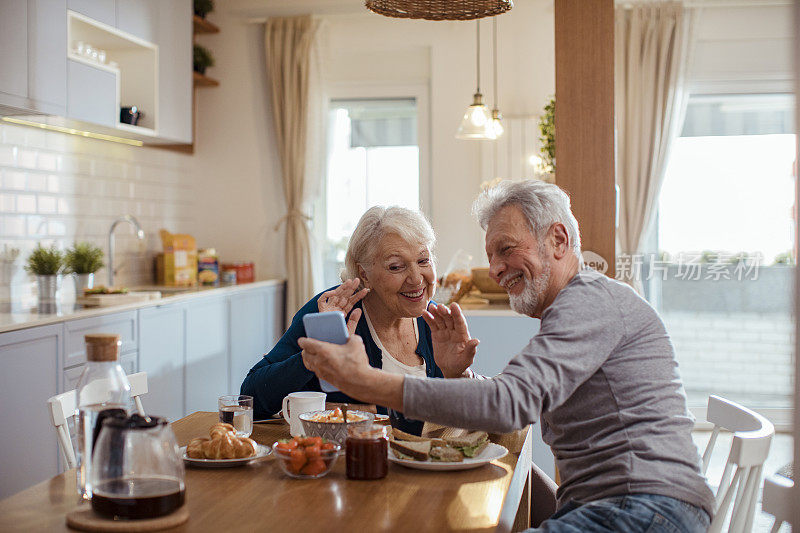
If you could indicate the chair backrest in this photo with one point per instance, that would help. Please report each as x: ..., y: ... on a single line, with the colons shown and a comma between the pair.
x: 62, y: 407
x: 742, y: 475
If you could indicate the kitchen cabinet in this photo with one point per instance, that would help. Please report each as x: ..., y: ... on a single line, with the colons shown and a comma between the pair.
x: 33, y: 36
x: 47, y: 60
x: 30, y: 362
x: 255, y: 328
x: 13, y: 40
x: 174, y: 39
x: 139, y: 17
x: 161, y: 355
x: 104, y: 11
x: 91, y: 94
x: 206, y: 367
x: 122, y: 324
x: 44, y: 81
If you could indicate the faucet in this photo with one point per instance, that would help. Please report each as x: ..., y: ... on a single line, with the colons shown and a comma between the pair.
x: 139, y: 234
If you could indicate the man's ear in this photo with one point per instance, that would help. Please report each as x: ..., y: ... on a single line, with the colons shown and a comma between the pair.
x: 559, y: 238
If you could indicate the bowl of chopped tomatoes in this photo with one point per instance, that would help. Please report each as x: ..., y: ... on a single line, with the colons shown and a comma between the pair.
x: 306, y: 457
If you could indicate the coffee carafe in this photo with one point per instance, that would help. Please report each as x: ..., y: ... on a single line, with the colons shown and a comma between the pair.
x: 137, y: 471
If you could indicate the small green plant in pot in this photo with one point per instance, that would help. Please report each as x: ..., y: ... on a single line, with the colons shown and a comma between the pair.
x: 547, y: 138
x: 83, y: 260
x: 203, y: 7
x: 202, y: 59
x: 47, y: 264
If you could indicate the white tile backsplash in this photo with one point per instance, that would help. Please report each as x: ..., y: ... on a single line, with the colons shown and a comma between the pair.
x: 58, y: 188
x: 36, y: 181
x: 13, y: 179
x: 46, y: 205
x: 26, y: 203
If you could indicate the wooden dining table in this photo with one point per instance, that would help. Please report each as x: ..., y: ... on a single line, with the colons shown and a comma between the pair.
x: 259, y: 497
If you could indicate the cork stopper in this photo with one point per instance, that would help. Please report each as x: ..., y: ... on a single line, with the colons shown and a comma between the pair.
x: 102, y: 346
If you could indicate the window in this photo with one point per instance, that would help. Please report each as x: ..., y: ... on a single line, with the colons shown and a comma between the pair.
x: 373, y: 159
x: 725, y: 237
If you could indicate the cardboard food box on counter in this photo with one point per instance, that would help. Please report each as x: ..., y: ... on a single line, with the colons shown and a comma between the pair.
x: 180, y: 259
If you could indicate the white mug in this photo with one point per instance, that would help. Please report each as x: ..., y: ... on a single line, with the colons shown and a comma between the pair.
x: 298, y: 403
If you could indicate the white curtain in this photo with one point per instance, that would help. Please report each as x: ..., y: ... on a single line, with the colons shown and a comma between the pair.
x: 289, y: 45
x: 652, y: 42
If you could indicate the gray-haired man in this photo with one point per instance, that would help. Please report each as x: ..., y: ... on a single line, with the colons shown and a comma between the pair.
x: 600, y: 375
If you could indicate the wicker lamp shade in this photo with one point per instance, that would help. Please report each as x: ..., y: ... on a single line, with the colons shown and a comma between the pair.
x: 439, y: 9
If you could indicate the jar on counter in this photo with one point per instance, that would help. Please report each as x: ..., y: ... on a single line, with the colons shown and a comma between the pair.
x: 229, y: 277
x: 367, y: 452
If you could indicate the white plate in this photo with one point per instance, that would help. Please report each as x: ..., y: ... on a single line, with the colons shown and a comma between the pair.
x: 261, y: 452
x: 490, y: 453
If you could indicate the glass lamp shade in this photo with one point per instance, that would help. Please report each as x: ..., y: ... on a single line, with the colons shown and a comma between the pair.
x: 477, y: 122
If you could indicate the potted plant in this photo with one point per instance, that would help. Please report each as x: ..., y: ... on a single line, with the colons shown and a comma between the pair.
x: 47, y: 264
x: 547, y: 136
x: 83, y: 260
x: 203, y: 7
x: 202, y: 59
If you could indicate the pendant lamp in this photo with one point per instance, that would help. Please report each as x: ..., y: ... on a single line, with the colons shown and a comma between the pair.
x: 477, y: 121
x: 497, y: 117
x: 439, y: 9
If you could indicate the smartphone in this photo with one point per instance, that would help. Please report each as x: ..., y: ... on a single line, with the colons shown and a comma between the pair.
x: 327, y: 327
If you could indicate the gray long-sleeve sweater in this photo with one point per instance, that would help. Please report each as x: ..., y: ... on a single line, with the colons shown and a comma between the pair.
x: 601, y: 376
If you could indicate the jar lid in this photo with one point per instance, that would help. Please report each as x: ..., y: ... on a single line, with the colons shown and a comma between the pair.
x: 367, y: 432
x: 102, y: 346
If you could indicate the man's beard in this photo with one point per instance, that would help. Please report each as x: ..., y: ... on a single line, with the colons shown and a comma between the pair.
x: 532, y: 293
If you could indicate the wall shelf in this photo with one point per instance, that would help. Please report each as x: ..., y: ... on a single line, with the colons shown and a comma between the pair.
x: 201, y: 25
x: 203, y: 81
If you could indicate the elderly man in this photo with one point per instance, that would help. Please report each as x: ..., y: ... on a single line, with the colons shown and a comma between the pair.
x: 600, y: 375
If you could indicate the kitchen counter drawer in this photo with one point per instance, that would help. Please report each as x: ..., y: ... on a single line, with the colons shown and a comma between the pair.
x: 123, y: 324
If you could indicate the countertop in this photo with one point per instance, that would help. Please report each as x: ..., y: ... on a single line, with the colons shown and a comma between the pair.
x: 69, y: 311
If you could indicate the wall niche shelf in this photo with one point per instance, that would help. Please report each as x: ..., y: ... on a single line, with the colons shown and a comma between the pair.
x: 136, y: 68
x: 203, y: 81
x: 201, y: 25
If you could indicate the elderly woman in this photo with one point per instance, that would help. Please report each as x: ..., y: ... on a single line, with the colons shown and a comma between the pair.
x: 390, y: 279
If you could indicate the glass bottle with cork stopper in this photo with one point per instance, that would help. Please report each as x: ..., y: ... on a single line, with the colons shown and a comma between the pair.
x: 103, y: 391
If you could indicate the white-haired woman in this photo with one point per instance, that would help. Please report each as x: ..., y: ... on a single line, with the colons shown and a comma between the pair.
x: 390, y: 278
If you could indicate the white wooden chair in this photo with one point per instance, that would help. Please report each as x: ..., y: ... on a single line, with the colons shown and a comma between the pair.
x: 62, y: 408
x: 742, y: 475
x: 777, y: 499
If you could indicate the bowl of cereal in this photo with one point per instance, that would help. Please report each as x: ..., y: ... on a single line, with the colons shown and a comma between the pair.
x: 329, y: 424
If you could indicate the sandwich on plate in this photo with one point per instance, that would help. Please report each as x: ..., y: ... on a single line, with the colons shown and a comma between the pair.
x: 418, y: 451
x: 408, y: 437
x: 471, y: 444
x: 446, y: 454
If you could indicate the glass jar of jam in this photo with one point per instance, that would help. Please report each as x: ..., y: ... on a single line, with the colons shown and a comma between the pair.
x: 367, y: 452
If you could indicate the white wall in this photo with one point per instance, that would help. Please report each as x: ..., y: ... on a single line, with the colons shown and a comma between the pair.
x: 236, y: 168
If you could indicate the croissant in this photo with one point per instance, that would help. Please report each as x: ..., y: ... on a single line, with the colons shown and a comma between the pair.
x: 219, y: 429
x: 223, y: 444
x: 195, y: 448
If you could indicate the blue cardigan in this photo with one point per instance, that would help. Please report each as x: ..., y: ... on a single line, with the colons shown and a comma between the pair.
x: 282, y: 371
